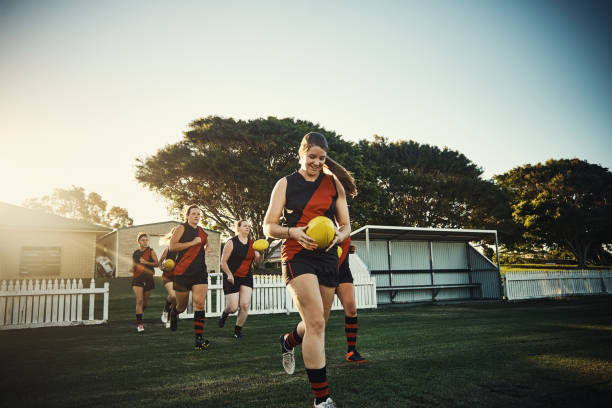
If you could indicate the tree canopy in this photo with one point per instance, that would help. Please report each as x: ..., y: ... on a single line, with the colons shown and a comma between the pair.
x: 229, y: 167
x: 74, y: 203
x: 562, y: 204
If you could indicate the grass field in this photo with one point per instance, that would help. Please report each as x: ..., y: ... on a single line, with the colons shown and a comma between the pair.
x: 537, y: 353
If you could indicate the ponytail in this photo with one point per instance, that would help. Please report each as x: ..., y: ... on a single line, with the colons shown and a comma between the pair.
x: 345, y: 178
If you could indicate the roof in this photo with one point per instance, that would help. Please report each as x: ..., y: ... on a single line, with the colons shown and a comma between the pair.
x: 154, y: 223
x: 393, y: 233
x: 14, y: 217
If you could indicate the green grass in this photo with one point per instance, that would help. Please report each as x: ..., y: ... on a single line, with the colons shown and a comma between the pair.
x: 537, y: 353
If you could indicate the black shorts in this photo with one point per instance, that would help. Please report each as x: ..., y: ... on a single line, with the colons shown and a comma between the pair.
x: 344, y: 273
x: 144, y: 281
x: 324, y: 267
x: 228, y: 288
x: 183, y: 283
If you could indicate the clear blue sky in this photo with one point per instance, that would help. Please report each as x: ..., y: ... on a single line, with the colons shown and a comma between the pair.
x: 86, y: 87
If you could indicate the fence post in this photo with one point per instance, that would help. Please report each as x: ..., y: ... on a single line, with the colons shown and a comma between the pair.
x: 106, y: 293
x: 92, y: 299
x: 36, y: 303
x: 29, y: 311
x: 16, y: 304
x: 67, y: 302
x: 49, y: 306
x: 80, y: 302
x: 60, y: 302
x: 2, y: 302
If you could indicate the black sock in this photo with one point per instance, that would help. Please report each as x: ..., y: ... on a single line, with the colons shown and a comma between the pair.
x: 293, y: 339
x: 318, y: 383
x: 198, y: 322
x: 167, y: 307
x: 237, y: 329
x: 224, y: 315
x: 350, y: 329
x: 139, y: 318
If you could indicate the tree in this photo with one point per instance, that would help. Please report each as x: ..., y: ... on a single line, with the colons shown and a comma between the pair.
x: 412, y: 184
x: 74, y: 203
x: 229, y: 167
x: 563, y: 203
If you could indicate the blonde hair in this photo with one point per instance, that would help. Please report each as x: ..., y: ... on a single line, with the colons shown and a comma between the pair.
x: 345, y: 178
x: 164, y: 240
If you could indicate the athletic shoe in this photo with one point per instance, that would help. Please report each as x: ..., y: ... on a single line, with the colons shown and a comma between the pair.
x: 168, y: 324
x: 173, y: 320
x: 288, y: 357
x: 164, y: 316
x: 222, y: 320
x: 140, y: 328
x: 237, y: 335
x: 201, y: 343
x: 328, y: 403
x: 354, y: 357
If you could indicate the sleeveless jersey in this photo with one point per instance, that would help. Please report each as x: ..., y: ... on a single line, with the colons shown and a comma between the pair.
x: 193, y: 259
x: 139, y: 268
x: 305, y: 200
x: 241, y: 258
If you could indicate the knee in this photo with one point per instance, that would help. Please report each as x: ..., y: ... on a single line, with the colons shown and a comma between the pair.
x: 232, y: 309
x: 245, y: 306
x: 351, y: 310
x: 316, y: 326
x: 139, y: 302
x: 198, y: 305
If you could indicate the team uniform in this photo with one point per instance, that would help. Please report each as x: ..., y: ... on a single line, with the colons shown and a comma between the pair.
x: 344, y: 271
x: 305, y: 200
x: 190, y: 266
x: 239, y: 263
x: 143, y: 274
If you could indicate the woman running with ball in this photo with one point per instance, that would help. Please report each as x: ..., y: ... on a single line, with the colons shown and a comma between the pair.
x: 311, y: 274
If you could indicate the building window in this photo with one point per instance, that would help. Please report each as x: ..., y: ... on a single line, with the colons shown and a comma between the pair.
x: 40, y: 261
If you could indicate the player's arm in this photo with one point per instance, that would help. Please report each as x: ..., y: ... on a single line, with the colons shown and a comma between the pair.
x: 176, y: 246
x: 342, y: 216
x: 227, y: 251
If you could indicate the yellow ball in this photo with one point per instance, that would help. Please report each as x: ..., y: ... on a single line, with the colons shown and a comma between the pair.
x: 261, y: 245
x: 322, y: 230
x: 168, y: 264
x: 339, y: 252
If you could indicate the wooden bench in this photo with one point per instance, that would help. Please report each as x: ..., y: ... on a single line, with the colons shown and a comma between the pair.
x: 434, y: 288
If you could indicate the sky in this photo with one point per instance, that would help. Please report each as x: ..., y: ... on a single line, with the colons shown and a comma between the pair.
x: 86, y: 88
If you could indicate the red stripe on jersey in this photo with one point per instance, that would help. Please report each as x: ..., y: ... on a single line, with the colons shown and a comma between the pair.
x: 190, y: 254
x: 345, y: 250
x: 319, y: 203
x: 245, y: 265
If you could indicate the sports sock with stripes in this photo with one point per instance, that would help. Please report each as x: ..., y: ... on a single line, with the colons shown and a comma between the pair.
x: 350, y: 329
x: 293, y: 339
x: 237, y: 329
x: 198, y: 322
x: 138, y: 318
x: 318, y: 383
x: 167, y: 307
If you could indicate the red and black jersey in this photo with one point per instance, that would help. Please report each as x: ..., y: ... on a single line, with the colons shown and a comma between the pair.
x: 192, y: 259
x: 139, y: 268
x: 345, y: 245
x: 305, y: 200
x: 241, y: 258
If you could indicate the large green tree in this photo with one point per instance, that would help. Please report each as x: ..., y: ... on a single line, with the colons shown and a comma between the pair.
x: 75, y: 203
x: 562, y: 204
x: 412, y: 184
x: 229, y: 167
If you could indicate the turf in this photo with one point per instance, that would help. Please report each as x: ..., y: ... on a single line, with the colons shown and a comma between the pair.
x: 536, y: 353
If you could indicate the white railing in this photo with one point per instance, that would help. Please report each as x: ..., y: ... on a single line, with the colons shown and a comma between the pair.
x: 270, y: 295
x: 28, y: 304
x: 532, y: 284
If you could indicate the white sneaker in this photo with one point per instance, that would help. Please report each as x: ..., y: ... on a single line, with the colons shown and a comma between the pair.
x: 164, y: 317
x: 288, y: 357
x: 168, y: 324
x: 328, y: 403
x: 140, y: 328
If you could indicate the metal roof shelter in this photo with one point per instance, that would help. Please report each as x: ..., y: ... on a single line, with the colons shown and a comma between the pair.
x: 427, y: 264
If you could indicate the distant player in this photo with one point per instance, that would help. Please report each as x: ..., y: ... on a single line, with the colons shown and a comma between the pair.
x: 144, y: 261
x: 236, y: 260
x: 190, y: 242
x: 167, y: 276
x: 346, y: 293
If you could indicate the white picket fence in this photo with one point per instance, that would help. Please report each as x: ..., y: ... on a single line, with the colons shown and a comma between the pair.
x: 28, y: 304
x: 270, y: 295
x: 532, y: 284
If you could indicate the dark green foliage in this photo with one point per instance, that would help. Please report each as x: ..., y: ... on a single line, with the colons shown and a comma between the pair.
x: 537, y: 353
x: 563, y: 204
